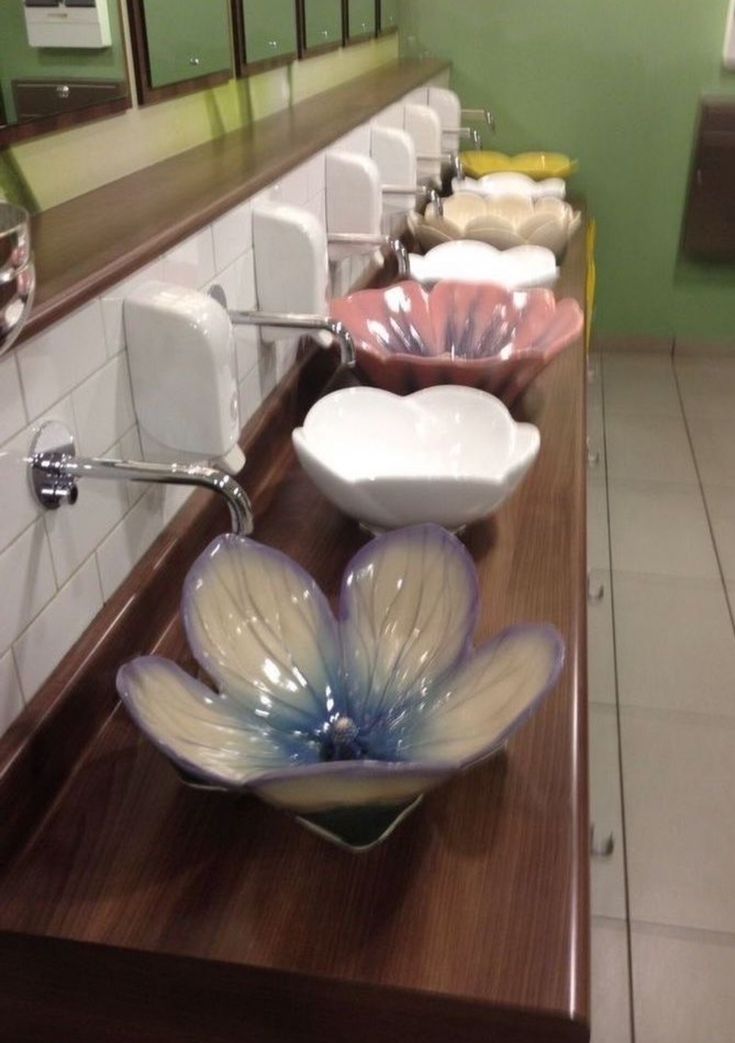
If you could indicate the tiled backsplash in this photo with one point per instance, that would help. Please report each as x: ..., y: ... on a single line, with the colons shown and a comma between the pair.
x: 58, y: 568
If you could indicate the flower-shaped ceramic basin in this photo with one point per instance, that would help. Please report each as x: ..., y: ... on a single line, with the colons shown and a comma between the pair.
x: 536, y: 165
x: 449, y: 455
x: 346, y: 722
x: 511, y: 184
x: 463, y: 260
x: 504, y: 223
x: 481, y: 336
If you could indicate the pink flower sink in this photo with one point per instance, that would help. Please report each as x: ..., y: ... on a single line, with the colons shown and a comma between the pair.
x: 481, y: 336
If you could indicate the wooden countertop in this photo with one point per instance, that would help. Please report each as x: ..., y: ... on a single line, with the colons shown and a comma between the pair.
x: 138, y: 909
x: 86, y: 245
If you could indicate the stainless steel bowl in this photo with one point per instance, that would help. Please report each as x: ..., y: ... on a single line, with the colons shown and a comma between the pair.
x: 17, y: 273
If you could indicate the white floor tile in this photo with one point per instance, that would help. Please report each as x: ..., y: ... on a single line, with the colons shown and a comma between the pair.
x: 714, y: 448
x: 608, y: 874
x: 721, y: 507
x: 610, y: 982
x: 649, y: 448
x: 598, y: 532
x: 683, y: 986
x: 660, y: 528
x: 640, y: 384
x: 679, y: 781
x: 707, y: 386
x: 600, y: 646
x: 675, y: 644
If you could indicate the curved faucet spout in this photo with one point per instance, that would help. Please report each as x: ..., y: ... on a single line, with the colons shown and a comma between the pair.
x: 300, y: 322
x: 55, y: 470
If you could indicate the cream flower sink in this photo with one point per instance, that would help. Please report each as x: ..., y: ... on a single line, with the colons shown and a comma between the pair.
x: 505, y: 222
x: 462, y: 260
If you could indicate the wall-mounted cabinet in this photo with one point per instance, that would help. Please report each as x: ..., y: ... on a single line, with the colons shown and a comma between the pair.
x: 360, y: 20
x: 266, y: 34
x: 179, y: 46
x: 321, y: 27
x: 387, y: 16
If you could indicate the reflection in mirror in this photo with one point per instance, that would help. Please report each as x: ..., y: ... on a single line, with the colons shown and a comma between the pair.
x: 17, y: 274
x: 61, y: 62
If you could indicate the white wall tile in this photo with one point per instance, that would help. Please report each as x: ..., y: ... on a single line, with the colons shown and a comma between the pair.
x: 103, y: 407
x: 129, y: 448
x: 11, y: 699
x: 250, y: 396
x: 112, y: 304
x: 26, y: 581
x: 19, y: 507
x: 118, y: 554
x: 357, y: 140
x: 315, y: 175
x: 233, y: 235
x: 74, y: 532
x: 292, y: 188
x: 12, y: 408
x: 57, y: 360
x: 50, y: 636
x: 191, y: 263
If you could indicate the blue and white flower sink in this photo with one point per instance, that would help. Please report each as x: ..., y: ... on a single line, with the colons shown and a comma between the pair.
x: 345, y: 722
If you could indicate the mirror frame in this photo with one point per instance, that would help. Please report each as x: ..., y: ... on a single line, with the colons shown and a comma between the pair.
x: 323, y: 48
x: 148, y: 95
x: 350, y: 41
x: 380, y: 28
x: 14, y: 133
x: 242, y: 66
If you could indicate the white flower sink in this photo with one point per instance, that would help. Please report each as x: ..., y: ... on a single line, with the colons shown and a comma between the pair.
x: 511, y: 184
x: 464, y: 260
x: 448, y: 454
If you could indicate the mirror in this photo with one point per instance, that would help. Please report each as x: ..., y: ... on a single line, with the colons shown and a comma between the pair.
x: 360, y: 20
x: 265, y: 34
x: 387, y: 16
x: 321, y: 26
x: 62, y: 62
x: 179, y: 46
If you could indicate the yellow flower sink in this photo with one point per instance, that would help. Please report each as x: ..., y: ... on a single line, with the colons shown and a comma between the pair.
x: 537, y: 165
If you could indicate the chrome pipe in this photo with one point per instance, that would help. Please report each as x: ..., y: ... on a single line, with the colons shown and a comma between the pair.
x: 429, y: 191
x: 466, y: 132
x: 445, y: 157
x: 55, y: 470
x: 300, y: 322
x: 395, y: 245
x: 480, y: 114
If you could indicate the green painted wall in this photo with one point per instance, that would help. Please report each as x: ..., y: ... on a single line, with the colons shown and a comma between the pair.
x: 616, y: 85
x: 18, y: 59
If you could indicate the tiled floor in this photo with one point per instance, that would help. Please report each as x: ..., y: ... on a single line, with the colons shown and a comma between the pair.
x: 661, y: 552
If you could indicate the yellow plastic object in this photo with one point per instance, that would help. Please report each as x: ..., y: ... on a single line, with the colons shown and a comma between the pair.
x: 591, y: 287
x: 537, y: 165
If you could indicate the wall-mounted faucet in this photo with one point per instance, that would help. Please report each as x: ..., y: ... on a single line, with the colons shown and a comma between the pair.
x: 452, y: 158
x: 432, y: 194
x: 279, y: 320
x: 396, y: 247
x: 55, y: 469
x: 464, y: 132
x: 480, y: 114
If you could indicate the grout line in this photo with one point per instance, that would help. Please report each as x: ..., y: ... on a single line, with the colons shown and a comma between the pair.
x: 707, y: 935
x: 626, y: 882
x: 704, y: 500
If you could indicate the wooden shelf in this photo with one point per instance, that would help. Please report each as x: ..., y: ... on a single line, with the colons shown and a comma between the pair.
x: 135, y: 909
x: 86, y: 245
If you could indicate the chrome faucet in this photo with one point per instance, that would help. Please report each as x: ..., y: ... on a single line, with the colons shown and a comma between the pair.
x: 431, y: 193
x: 290, y: 322
x: 55, y: 469
x: 453, y: 158
x: 366, y: 239
x: 480, y: 114
x: 465, y: 132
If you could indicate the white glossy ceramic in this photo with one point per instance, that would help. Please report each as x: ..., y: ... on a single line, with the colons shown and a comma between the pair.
x: 464, y: 260
x: 509, y: 184
x: 448, y: 454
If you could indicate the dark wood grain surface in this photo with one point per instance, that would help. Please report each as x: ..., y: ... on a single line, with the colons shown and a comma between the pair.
x: 138, y: 909
x: 89, y: 243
